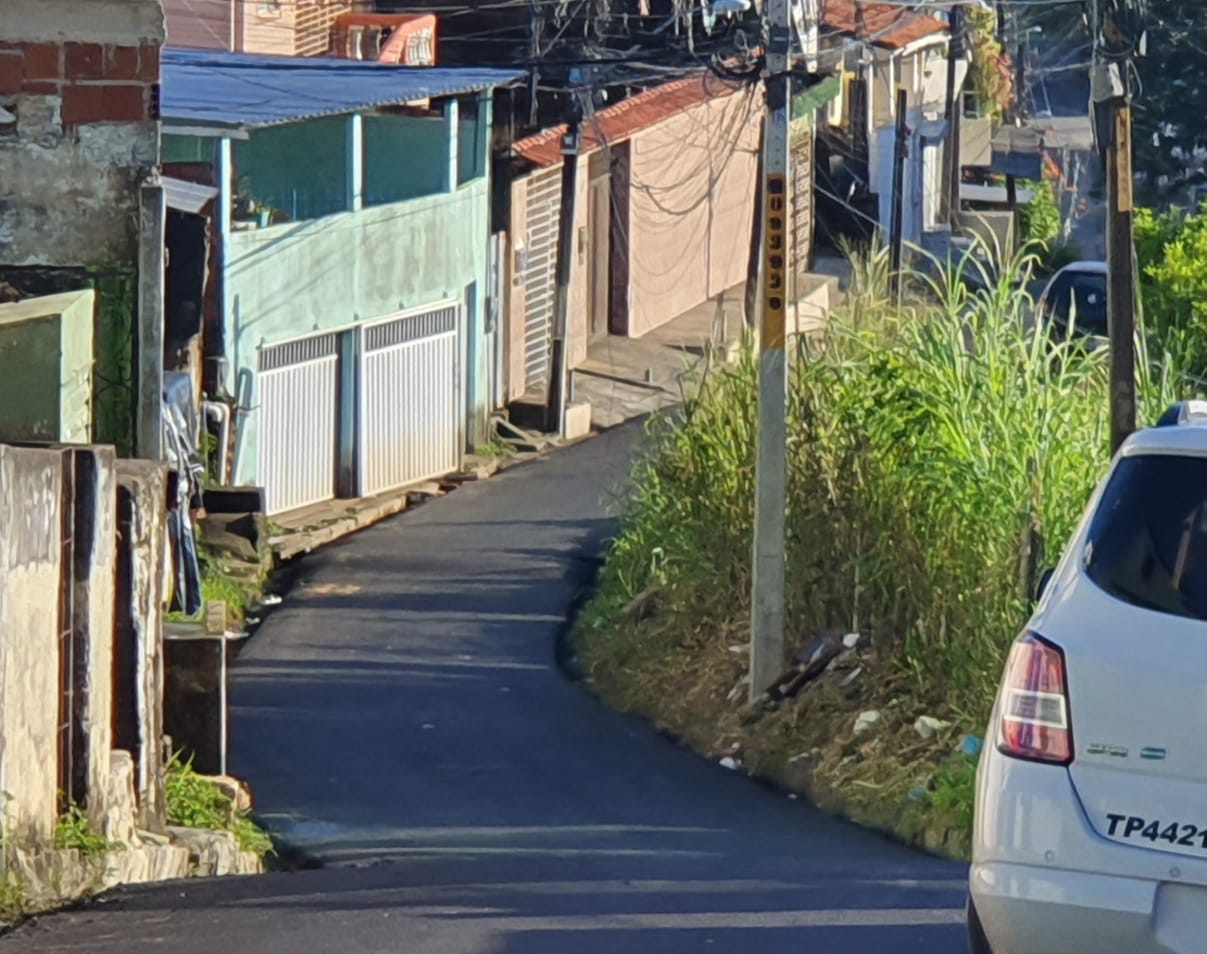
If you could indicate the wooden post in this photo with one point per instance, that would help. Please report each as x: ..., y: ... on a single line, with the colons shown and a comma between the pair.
x: 953, y: 115
x: 897, y: 229
x: 555, y: 403
x: 1121, y: 287
x: 1114, y: 127
x: 754, y: 260
x: 148, y: 432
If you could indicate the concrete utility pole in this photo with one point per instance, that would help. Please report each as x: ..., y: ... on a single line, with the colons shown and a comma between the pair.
x: 1114, y: 48
x: 771, y: 465
x: 148, y: 403
x: 897, y: 223
x: 555, y: 404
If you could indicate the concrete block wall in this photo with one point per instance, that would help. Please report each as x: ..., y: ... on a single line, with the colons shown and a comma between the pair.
x: 31, y: 484
x: 67, y: 613
x: 142, y: 564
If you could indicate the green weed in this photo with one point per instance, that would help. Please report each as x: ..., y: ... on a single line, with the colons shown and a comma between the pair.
x: 74, y: 831
x: 196, y: 802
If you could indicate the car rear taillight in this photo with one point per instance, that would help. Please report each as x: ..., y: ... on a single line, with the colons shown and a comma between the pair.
x: 1034, y: 717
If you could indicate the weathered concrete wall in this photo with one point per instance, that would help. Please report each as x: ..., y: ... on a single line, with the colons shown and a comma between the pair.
x: 30, y: 553
x: 46, y: 355
x: 79, y: 81
x: 93, y: 598
x: 142, y: 489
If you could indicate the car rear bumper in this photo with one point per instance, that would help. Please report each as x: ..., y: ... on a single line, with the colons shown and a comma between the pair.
x: 1026, y: 910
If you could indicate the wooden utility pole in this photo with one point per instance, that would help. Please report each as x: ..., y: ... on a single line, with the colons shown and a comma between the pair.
x: 771, y: 463
x: 1114, y: 124
x: 953, y: 114
x: 555, y: 403
x: 897, y: 223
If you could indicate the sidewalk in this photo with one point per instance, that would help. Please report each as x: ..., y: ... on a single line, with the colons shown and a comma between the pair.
x: 623, y: 378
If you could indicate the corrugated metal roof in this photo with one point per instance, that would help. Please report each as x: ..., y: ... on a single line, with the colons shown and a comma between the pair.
x: 187, y: 196
x: 888, y: 25
x: 617, y: 123
x: 235, y: 89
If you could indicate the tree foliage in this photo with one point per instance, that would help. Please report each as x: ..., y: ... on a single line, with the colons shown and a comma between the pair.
x: 1172, y: 253
x: 1171, y: 97
x: 990, y: 70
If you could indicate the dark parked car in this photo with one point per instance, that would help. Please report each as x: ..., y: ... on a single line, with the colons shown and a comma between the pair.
x: 1074, y: 302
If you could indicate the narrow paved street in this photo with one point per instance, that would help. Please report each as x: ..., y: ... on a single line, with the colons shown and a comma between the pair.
x: 402, y: 717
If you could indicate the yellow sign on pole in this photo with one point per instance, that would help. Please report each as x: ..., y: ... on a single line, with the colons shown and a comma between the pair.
x: 775, y: 301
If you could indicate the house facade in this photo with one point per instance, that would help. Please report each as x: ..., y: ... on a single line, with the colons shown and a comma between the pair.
x: 348, y: 330
x: 274, y: 27
x: 882, y: 49
x: 662, y: 214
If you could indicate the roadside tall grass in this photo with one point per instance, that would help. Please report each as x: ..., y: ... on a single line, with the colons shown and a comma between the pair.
x: 940, y: 454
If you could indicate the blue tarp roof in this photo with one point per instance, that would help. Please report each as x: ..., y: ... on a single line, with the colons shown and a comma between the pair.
x: 235, y: 89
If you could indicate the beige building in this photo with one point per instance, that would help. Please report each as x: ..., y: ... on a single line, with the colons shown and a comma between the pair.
x: 271, y: 27
x: 665, y: 194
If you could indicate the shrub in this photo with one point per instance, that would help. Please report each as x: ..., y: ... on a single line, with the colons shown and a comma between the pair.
x: 1171, y: 250
x: 196, y: 802
x: 935, y: 452
x: 1039, y: 220
x: 74, y: 831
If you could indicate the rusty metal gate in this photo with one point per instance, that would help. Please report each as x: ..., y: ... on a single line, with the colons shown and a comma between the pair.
x: 409, y: 402
x: 299, y: 407
x: 540, y: 271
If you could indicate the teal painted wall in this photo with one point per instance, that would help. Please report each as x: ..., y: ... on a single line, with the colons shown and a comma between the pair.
x: 469, y: 147
x: 299, y: 168
x: 405, y: 158
x: 187, y: 149
x: 289, y: 280
x: 335, y: 270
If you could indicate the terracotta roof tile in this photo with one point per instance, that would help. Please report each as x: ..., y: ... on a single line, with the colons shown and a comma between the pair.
x: 885, y: 24
x: 617, y: 123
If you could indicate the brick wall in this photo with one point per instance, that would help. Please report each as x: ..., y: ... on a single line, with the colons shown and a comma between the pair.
x: 93, y: 82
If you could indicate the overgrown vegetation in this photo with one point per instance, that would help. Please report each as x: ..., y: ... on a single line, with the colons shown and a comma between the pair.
x: 240, y: 591
x: 989, y: 67
x: 1040, y: 226
x: 14, y: 897
x: 74, y: 831
x: 939, y: 452
x: 196, y: 802
x: 1172, y: 251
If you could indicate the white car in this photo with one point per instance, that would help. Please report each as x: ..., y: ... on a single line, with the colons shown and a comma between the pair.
x: 1091, y: 803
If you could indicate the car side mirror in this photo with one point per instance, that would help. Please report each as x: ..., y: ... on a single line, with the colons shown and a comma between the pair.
x: 1044, y: 580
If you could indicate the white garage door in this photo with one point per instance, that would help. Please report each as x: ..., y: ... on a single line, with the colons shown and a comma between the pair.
x: 410, y: 420
x: 299, y: 406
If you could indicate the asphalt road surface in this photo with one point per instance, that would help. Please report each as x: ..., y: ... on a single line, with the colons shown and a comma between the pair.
x: 403, y: 718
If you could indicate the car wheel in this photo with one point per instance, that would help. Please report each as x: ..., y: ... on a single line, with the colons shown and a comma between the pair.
x: 977, y: 942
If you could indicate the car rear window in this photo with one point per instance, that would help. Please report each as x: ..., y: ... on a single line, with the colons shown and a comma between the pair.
x: 1080, y: 297
x: 1148, y: 540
